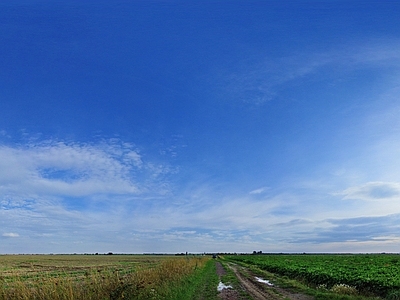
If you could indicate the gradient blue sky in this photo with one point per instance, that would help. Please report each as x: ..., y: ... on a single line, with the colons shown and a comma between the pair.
x: 174, y: 126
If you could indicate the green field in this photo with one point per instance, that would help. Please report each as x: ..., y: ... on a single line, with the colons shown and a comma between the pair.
x: 106, y: 277
x: 365, y: 274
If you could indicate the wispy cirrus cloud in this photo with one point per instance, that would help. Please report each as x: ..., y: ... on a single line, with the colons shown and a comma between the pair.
x: 10, y: 235
x: 61, y: 169
x: 259, y: 191
x: 262, y: 79
x: 361, y: 229
x: 374, y: 191
x: 61, y: 192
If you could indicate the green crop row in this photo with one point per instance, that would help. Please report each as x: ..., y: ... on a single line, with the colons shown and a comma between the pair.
x: 377, y: 274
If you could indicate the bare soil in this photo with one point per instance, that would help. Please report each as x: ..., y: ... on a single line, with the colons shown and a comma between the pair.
x: 256, y: 290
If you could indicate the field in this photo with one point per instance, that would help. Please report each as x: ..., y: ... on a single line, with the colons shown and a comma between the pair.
x: 105, y: 277
x: 369, y: 275
x: 302, y: 276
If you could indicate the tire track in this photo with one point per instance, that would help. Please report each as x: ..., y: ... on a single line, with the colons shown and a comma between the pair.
x: 253, y: 288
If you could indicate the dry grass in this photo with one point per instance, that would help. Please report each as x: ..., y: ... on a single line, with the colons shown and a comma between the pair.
x: 344, y: 289
x: 92, y: 277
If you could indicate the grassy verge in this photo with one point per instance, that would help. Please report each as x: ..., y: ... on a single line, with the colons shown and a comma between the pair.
x: 200, y: 285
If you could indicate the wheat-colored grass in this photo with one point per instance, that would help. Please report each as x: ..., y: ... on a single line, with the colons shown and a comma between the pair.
x: 117, y: 277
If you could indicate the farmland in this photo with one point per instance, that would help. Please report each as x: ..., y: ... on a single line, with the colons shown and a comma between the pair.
x: 369, y: 275
x: 105, y: 277
x: 289, y: 276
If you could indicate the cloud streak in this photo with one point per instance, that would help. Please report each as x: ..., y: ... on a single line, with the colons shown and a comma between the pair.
x: 374, y: 191
x: 263, y: 80
x: 10, y: 235
x: 54, y: 168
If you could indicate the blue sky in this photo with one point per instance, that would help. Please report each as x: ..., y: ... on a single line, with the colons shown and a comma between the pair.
x: 174, y: 126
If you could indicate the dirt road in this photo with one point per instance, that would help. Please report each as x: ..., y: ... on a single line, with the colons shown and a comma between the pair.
x: 250, y: 286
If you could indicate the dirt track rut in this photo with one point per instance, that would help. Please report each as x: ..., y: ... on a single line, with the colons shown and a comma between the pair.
x: 255, y: 289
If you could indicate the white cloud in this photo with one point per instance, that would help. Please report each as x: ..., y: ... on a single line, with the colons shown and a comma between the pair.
x: 62, y: 169
x: 36, y: 202
x: 374, y: 191
x: 61, y: 193
x: 10, y: 234
x: 259, y: 191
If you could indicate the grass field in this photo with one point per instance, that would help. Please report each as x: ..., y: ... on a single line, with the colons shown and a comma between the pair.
x: 104, y: 277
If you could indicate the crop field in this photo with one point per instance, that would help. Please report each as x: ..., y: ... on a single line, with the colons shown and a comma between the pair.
x: 101, y: 276
x: 372, y: 274
x: 93, y: 277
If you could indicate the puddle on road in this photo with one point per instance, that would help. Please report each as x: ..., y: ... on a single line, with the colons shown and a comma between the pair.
x: 264, y: 281
x: 222, y: 286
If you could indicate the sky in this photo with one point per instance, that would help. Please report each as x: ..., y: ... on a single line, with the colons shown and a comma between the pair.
x: 200, y: 126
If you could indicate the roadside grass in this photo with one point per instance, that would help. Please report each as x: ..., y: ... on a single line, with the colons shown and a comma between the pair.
x: 66, y: 278
x: 200, y: 285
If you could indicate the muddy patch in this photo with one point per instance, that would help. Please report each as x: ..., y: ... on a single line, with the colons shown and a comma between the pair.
x: 220, y: 269
x: 256, y: 287
x: 226, y: 292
